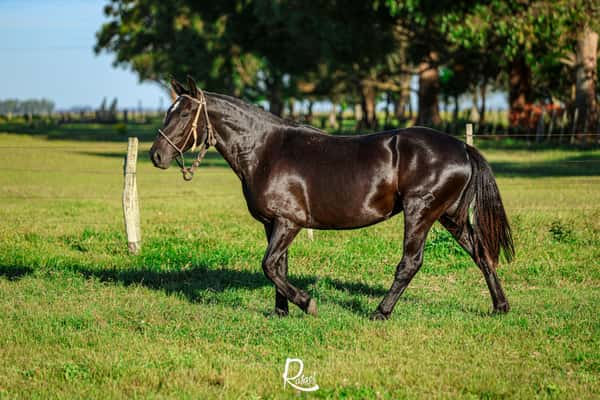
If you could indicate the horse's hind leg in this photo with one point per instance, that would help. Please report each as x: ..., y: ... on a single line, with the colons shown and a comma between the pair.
x: 281, y: 302
x: 464, y: 235
x: 417, y: 222
x: 283, y: 233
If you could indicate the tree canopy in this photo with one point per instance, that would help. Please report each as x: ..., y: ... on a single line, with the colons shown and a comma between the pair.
x: 353, y: 51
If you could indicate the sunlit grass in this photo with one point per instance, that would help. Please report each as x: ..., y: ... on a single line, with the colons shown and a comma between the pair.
x: 191, y: 315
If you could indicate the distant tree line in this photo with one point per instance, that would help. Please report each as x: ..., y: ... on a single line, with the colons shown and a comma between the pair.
x: 359, y: 51
x: 107, y: 114
x: 31, y: 106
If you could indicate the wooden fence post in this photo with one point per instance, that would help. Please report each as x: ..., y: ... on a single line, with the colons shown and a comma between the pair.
x: 131, y: 207
x: 470, y: 134
x: 470, y: 143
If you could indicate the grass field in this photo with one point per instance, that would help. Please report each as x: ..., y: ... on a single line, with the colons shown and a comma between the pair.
x: 190, y: 316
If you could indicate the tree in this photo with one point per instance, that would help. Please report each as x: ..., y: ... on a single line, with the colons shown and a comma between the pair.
x: 256, y: 49
x: 582, y: 17
x: 159, y: 40
x: 112, y: 111
x: 429, y: 47
x: 527, y: 40
x: 587, y: 77
x: 33, y: 106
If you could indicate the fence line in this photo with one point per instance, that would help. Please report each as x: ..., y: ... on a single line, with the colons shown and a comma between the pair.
x: 79, y: 148
x: 82, y: 171
x: 115, y: 198
x: 527, y: 135
x: 475, y: 136
x: 115, y: 171
x: 60, y: 171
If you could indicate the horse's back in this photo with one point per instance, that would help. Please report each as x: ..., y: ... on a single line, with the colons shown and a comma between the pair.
x: 326, y: 181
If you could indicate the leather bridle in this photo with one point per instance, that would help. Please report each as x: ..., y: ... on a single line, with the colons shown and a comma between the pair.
x: 211, y: 140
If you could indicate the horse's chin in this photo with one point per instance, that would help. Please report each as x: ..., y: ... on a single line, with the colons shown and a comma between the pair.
x: 163, y: 166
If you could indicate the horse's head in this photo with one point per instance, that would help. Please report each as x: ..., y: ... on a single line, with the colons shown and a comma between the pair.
x: 181, y: 127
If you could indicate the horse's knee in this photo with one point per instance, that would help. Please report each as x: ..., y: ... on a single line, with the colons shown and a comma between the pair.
x: 409, y: 266
x: 269, y: 270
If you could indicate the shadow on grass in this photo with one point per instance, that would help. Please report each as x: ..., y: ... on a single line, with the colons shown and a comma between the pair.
x: 87, y: 132
x: 525, y: 143
x: 193, y: 283
x: 580, y: 165
x: 14, y: 273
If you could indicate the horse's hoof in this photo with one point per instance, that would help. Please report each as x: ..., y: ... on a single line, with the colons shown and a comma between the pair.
x: 502, y: 308
x: 311, y: 309
x: 379, y: 316
x: 280, y: 312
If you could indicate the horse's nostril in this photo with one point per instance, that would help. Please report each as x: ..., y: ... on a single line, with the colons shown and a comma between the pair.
x: 156, y: 156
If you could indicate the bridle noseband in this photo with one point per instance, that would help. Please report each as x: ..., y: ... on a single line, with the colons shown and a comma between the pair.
x: 211, y: 140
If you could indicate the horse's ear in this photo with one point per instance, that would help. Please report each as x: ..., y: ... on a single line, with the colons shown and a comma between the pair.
x: 192, y: 86
x: 177, y: 87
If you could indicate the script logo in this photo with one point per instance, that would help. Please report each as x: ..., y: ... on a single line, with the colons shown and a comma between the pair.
x: 299, y: 381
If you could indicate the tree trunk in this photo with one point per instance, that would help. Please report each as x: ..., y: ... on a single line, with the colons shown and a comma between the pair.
x: 399, y: 108
x: 291, y: 104
x: 275, y: 95
x: 309, y: 113
x: 519, y: 94
x: 403, y: 102
x: 340, y: 116
x: 367, y: 101
x: 357, y: 113
x: 587, y: 67
x: 474, y: 114
x: 483, y: 95
x: 429, y: 88
x: 456, y: 109
x: 331, y: 120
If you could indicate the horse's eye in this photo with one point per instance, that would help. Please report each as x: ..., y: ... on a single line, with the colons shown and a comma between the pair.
x: 185, y: 114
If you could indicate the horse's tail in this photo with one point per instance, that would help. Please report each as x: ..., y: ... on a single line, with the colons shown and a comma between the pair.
x: 491, y: 227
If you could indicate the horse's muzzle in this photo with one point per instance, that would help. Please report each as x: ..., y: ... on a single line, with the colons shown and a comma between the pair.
x: 159, y: 160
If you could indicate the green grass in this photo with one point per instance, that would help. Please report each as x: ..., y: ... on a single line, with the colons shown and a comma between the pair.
x: 190, y: 316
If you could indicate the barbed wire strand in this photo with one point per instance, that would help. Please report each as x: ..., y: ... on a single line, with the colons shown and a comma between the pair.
x: 118, y: 171
x: 543, y: 138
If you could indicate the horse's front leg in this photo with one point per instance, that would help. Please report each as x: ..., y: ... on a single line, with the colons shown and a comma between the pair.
x: 281, y: 302
x: 282, y: 234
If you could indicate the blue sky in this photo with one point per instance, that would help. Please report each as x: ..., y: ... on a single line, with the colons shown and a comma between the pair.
x: 46, y: 50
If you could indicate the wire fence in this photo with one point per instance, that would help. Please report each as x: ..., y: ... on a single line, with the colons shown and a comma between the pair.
x: 506, y: 166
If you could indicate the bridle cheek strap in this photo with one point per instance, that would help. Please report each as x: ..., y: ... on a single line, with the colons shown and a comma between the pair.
x: 211, y: 140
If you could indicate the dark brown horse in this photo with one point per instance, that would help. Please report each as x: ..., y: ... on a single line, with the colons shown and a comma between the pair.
x: 296, y: 177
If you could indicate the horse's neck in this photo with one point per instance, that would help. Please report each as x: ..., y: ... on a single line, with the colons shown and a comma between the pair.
x: 240, y: 134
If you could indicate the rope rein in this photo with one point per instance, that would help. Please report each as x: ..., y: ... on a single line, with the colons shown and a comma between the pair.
x: 211, y: 140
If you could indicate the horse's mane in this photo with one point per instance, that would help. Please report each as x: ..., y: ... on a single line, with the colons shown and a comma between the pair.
x: 264, y: 115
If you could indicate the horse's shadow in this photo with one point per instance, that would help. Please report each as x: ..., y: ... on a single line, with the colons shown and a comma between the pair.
x: 13, y: 273
x: 195, y: 282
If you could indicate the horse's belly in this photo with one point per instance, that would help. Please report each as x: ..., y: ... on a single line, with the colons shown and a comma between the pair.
x: 352, y: 206
x: 334, y: 190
